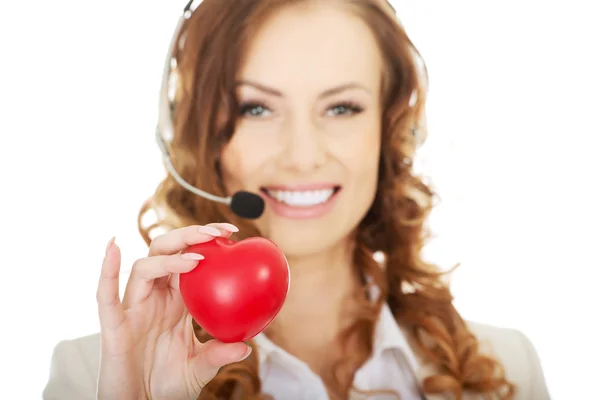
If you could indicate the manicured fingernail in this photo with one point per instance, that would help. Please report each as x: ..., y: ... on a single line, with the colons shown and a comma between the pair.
x: 209, y: 230
x: 248, y: 352
x: 229, y: 227
x: 110, y: 242
x: 192, y: 257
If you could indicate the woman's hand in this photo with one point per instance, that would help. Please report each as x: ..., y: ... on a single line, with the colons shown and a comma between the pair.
x: 149, y: 350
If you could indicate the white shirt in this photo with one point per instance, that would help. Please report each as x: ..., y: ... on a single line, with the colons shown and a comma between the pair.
x: 391, y: 367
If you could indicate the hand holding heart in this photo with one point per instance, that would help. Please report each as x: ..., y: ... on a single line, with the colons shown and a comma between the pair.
x: 148, y: 346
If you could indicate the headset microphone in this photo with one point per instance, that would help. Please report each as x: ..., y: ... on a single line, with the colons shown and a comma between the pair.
x: 244, y: 204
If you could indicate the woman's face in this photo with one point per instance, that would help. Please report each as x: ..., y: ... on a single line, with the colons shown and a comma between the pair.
x: 309, y: 134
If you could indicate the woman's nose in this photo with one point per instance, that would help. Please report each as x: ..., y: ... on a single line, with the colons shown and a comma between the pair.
x: 304, y: 147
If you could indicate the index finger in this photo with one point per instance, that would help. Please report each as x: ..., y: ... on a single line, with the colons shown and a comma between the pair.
x: 180, y: 239
x: 110, y: 308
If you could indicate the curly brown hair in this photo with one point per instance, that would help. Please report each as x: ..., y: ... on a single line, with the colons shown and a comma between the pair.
x: 395, y: 224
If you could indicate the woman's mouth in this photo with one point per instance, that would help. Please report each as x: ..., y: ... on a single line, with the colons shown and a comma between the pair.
x: 307, y: 201
x: 302, y: 198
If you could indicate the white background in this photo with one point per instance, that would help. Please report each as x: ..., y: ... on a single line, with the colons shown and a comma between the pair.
x: 513, y: 147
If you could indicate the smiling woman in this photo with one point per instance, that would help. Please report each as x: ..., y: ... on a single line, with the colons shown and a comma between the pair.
x: 312, y: 104
x: 317, y: 132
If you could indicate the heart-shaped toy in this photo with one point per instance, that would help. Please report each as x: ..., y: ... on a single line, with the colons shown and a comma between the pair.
x: 238, y: 289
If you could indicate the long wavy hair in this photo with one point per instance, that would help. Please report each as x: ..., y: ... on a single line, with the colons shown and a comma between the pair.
x: 216, y: 37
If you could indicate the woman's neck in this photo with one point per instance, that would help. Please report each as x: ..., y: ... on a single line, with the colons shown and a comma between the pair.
x: 318, y: 304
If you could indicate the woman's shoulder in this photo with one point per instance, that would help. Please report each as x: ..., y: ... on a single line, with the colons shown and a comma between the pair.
x: 74, y: 369
x: 518, y: 355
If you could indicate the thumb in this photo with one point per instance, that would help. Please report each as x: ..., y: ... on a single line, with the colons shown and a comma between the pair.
x: 213, y: 355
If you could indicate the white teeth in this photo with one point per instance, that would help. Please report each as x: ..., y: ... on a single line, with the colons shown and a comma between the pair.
x: 302, y: 199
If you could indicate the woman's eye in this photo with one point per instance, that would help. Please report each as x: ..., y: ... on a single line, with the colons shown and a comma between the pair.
x: 344, y: 109
x: 254, y: 110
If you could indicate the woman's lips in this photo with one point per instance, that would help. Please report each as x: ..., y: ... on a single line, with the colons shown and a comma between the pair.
x: 303, y: 201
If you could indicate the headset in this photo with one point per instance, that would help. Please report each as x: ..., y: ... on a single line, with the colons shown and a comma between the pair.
x: 244, y: 204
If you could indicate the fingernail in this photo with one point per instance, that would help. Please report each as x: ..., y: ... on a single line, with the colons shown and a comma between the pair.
x: 209, y: 230
x: 229, y: 227
x: 192, y: 257
x: 110, y: 242
x: 248, y: 352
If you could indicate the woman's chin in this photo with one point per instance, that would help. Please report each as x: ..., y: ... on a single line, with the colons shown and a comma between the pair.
x: 296, y: 242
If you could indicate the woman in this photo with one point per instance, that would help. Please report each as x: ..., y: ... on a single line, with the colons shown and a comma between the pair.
x: 313, y: 104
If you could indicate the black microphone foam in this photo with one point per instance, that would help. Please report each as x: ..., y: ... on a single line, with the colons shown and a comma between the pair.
x: 247, y: 205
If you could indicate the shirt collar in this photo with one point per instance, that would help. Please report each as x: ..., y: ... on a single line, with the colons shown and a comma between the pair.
x: 266, y: 348
x: 388, y: 336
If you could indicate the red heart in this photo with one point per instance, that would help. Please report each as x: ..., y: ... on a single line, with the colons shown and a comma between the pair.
x: 238, y: 289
